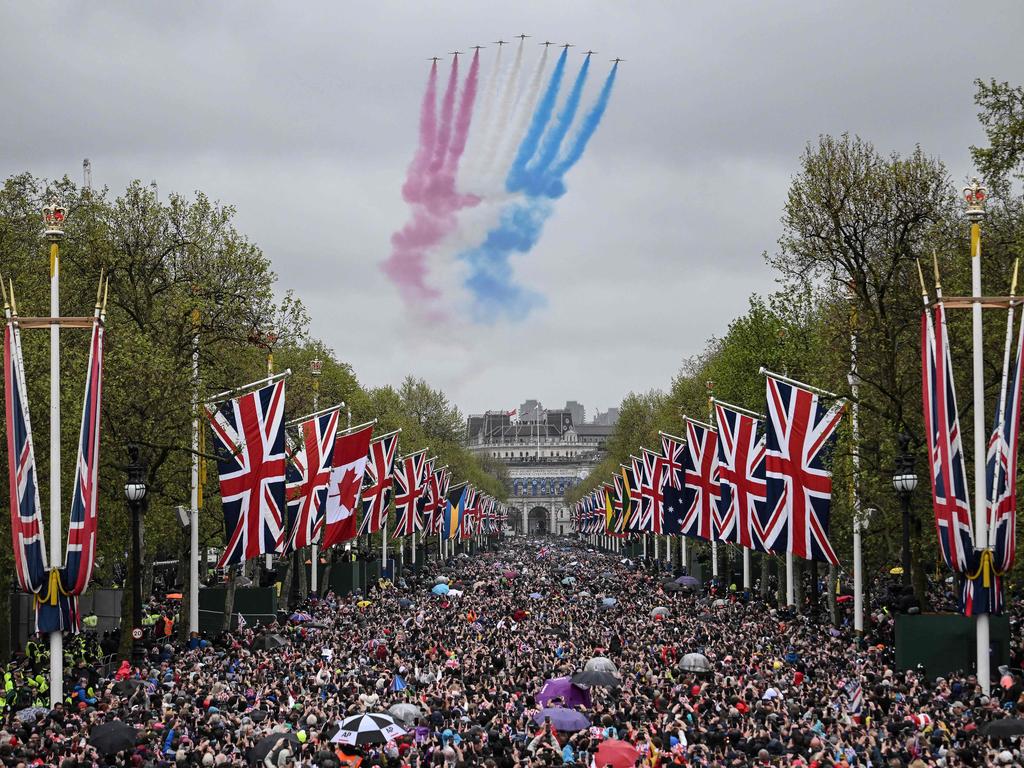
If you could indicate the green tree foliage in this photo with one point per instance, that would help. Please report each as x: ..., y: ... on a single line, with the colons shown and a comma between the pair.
x: 855, y: 224
x: 1002, y: 116
x: 179, y: 273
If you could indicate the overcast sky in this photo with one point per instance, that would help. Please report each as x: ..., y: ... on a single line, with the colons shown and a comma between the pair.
x: 303, y: 116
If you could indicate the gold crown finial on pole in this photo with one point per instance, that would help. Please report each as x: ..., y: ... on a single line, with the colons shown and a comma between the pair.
x: 975, y: 195
x: 54, y: 215
x: 316, y: 366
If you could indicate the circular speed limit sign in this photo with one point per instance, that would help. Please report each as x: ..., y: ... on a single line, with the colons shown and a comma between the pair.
x: 137, y: 634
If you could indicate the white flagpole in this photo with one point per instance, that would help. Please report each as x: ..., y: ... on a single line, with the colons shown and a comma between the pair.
x: 746, y: 568
x: 315, y: 368
x: 54, y: 222
x: 193, y: 516
x: 790, y: 591
x: 414, y: 547
x: 858, y: 556
x: 384, y: 547
x: 975, y: 196
x: 714, y: 559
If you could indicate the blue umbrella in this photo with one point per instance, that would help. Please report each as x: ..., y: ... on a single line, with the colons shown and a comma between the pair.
x: 536, y: 596
x: 608, y: 602
x: 566, y: 720
x: 440, y: 589
x: 398, y: 684
x: 687, y: 581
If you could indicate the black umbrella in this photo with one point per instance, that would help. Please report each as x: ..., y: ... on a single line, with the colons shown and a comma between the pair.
x: 1004, y: 727
x: 264, y: 747
x: 110, y: 738
x: 597, y: 679
x: 269, y: 642
x: 671, y: 586
x: 258, y: 715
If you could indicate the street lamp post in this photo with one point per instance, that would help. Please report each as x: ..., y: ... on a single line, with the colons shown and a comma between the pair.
x: 904, y: 480
x: 135, y: 492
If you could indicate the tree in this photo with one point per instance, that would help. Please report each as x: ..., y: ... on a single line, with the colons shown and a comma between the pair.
x: 1002, y: 116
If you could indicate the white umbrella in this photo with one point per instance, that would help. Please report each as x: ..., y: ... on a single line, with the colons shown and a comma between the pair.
x: 659, y: 611
x: 601, y: 664
x: 695, y: 662
x: 405, y: 712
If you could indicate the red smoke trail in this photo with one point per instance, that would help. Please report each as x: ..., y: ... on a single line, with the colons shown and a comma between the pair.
x: 434, y: 198
x: 444, y: 134
x: 412, y: 190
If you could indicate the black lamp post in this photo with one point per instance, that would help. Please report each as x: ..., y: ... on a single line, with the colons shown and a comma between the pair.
x: 135, y: 492
x: 904, y: 480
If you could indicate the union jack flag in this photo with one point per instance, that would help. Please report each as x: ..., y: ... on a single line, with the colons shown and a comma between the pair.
x: 983, y: 590
x: 700, y: 481
x: 942, y: 428
x: 56, y: 599
x: 249, y: 435
x: 30, y: 563
x: 408, y: 490
x: 798, y: 435
x: 377, y: 487
x: 635, y: 474
x: 308, y: 480
x: 741, y: 477
x: 672, y: 456
x: 651, y: 493
x: 433, y: 496
x: 81, y: 544
x: 468, y: 525
x: 1002, y: 467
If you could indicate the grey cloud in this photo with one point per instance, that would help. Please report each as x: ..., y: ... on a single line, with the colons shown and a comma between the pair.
x: 303, y: 116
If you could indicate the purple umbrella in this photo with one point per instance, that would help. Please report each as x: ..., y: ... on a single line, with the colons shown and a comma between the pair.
x: 564, y: 689
x: 565, y: 720
x: 687, y: 581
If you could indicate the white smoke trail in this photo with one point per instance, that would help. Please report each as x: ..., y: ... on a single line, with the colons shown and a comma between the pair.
x: 526, y: 104
x: 510, y: 93
x: 479, y: 140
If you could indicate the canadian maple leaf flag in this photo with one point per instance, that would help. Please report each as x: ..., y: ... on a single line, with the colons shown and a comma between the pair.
x: 343, y: 494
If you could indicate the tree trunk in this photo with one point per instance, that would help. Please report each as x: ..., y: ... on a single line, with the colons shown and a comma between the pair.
x: 286, y: 583
x: 5, y: 613
x: 185, y: 579
x: 124, y: 650
x: 798, y: 583
x: 325, y: 577
x: 920, y: 582
x: 833, y: 613
x: 303, y: 573
x: 229, y: 598
x: 765, y: 575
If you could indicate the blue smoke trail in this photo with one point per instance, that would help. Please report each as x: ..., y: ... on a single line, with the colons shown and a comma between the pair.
x: 541, y: 117
x: 557, y: 188
x: 521, y: 225
x: 536, y: 171
x: 490, y: 279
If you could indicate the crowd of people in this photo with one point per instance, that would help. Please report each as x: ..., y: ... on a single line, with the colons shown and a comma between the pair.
x: 460, y: 653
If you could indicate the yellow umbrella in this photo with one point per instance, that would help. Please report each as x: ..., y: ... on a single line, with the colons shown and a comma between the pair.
x: 362, y: 603
x: 897, y: 571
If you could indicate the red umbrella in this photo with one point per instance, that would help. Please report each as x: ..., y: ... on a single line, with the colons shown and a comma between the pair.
x: 616, y: 753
